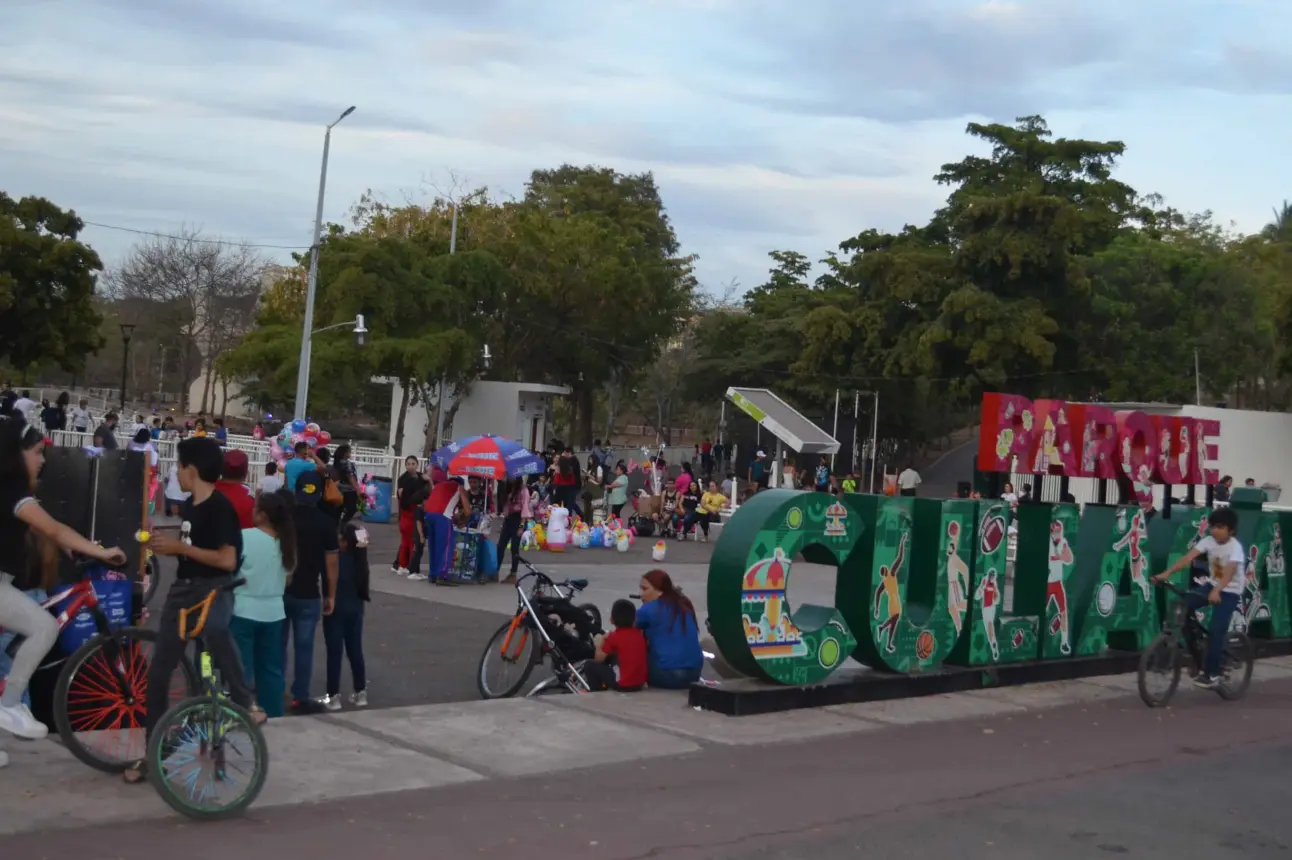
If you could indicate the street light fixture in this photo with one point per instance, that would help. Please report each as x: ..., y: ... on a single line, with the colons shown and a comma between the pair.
x: 127, y: 329
x: 303, y: 370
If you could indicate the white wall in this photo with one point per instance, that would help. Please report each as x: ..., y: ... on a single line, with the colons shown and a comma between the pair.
x: 1252, y: 444
x: 502, y: 408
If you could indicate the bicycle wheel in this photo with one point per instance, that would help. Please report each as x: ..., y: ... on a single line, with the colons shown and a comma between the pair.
x: 153, y: 579
x: 594, y: 615
x: 103, y: 727
x: 1159, y: 671
x: 516, y: 660
x: 1236, y: 671
x: 561, y: 683
x: 203, y: 747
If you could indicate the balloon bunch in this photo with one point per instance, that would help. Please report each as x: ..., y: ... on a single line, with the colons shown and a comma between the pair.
x: 367, y: 493
x: 284, y: 444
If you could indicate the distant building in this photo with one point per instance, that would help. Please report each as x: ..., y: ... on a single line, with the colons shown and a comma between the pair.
x: 515, y: 410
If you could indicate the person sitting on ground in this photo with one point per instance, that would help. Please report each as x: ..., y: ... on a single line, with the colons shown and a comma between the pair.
x: 208, y: 549
x: 668, y: 516
x: 620, y: 662
x: 667, y: 617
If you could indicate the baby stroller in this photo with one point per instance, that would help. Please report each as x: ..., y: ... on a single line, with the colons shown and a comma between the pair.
x: 547, y: 625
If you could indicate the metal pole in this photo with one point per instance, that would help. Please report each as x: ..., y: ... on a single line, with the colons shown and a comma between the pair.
x: 856, y: 420
x: 161, y: 373
x: 125, y: 365
x: 1197, y: 379
x: 439, y: 401
x: 874, y: 443
x: 311, y: 285
x: 835, y: 434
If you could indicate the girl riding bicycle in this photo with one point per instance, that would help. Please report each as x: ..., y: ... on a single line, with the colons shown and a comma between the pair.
x: 26, y: 531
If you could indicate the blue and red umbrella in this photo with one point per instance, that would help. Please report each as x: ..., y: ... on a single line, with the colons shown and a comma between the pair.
x: 488, y: 457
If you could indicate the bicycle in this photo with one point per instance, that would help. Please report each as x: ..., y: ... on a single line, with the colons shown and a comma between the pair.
x: 538, y: 631
x: 102, y: 688
x: 202, y: 731
x: 1184, y: 637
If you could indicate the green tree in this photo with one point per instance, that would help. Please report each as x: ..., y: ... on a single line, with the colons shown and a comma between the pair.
x: 47, y: 279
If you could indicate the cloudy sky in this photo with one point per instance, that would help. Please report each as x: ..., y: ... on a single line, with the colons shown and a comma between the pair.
x: 768, y: 123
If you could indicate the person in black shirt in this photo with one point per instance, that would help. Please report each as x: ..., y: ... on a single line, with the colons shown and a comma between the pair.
x: 311, y: 593
x: 208, y: 549
x: 343, y: 629
x: 25, y: 528
x: 104, y: 437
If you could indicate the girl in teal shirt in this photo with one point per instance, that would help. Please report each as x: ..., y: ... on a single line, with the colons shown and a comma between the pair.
x: 268, y: 558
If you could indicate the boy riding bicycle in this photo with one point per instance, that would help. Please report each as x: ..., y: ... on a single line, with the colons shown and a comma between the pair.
x: 1223, y: 588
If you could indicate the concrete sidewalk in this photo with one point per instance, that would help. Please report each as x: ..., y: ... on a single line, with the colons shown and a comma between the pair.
x: 365, y: 753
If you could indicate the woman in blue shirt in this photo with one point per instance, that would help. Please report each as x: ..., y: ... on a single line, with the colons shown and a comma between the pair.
x: 667, y: 617
x: 268, y: 558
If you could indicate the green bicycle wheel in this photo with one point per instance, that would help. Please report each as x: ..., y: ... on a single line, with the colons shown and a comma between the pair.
x: 207, y: 758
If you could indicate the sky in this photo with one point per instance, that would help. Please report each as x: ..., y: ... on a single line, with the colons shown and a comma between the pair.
x: 768, y: 124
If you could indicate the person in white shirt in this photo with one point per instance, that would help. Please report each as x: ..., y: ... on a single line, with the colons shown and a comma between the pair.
x: 81, y: 417
x: 1223, y: 589
x: 907, y: 481
x: 272, y: 481
x: 175, y: 494
x: 26, y: 407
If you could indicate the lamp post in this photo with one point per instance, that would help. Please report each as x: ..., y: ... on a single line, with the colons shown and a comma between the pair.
x: 126, y: 330
x: 439, y: 401
x: 303, y: 371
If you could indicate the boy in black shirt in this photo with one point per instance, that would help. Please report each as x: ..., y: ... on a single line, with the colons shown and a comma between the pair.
x: 208, y: 549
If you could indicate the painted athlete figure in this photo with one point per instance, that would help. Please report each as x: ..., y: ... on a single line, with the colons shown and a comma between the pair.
x: 957, y: 578
x: 988, y: 597
x: 1137, y: 533
x: 1055, y: 592
x: 888, y: 596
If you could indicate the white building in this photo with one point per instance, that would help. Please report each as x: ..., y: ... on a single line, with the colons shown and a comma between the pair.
x: 516, y: 410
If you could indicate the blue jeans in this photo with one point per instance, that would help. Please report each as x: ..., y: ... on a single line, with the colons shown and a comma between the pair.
x: 260, y: 644
x: 439, y: 546
x: 303, y: 616
x: 1221, y: 614
x: 671, y: 679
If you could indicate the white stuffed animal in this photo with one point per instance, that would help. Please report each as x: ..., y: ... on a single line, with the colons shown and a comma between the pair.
x: 558, y: 519
x: 658, y: 552
x: 527, y: 540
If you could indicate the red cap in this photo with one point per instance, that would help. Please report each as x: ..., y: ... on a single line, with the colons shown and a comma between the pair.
x: 235, y: 465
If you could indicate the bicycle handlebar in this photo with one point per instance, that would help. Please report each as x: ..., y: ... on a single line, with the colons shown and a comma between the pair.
x: 1172, y: 587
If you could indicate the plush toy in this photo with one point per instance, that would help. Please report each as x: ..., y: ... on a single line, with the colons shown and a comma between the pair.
x: 527, y: 540
x: 657, y: 554
x: 557, y: 529
x: 607, y: 537
x: 540, y: 536
x: 622, y: 545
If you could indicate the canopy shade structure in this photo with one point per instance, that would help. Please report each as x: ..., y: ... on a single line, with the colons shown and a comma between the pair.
x: 783, y: 421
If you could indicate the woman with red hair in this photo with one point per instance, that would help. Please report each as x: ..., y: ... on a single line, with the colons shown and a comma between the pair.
x: 667, y: 617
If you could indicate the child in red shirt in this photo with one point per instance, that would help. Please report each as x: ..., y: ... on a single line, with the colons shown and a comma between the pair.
x: 625, y: 646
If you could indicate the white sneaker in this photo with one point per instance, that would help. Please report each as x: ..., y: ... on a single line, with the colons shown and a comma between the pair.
x: 704, y: 538
x: 403, y: 571
x: 417, y: 577
x: 394, y: 568
x: 332, y: 703
x: 19, y: 722
x: 359, y: 699
x: 4, y: 759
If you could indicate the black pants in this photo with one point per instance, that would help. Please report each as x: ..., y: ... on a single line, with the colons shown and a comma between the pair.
x: 510, y: 537
x: 419, y: 544
x: 617, y: 509
x: 569, y: 496
x: 349, y: 506
x: 343, y: 633
x: 601, y: 676
x: 170, y: 647
x: 696, y: 518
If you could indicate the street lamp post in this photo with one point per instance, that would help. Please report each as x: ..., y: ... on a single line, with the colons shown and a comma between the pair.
x: 303, y: 371
x: 126, y: 330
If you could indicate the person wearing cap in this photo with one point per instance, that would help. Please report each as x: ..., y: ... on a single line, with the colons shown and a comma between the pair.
x: 447, y: 500
x: 232, y: 487
x: 758, y: 472
x: 311, y: 593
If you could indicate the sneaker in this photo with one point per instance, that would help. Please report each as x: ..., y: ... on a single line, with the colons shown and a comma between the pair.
x: 394, y: 568
x: 18, y: 721
x: 1206, y: 682
x: 332, y: 703
x: 704, y: 538
x: 4, y: 759
x: 306, y: 707
x: 402, y: 571
x: 359, y: 699
x: 417, y: 577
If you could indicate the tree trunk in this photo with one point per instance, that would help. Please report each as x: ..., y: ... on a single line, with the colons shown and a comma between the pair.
x: 428, y: 438
x: 583, y: 421
x: 404, y: 384
x: 224, y: 398
x: 186, y: 367
x: 460, y: 393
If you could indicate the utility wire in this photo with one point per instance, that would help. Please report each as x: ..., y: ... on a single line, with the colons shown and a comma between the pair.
x: 225, y: 242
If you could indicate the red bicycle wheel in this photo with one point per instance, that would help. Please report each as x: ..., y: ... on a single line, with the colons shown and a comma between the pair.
x: 100, y: 724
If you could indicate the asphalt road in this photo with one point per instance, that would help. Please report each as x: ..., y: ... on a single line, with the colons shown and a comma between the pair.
x: 1206, y: 779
